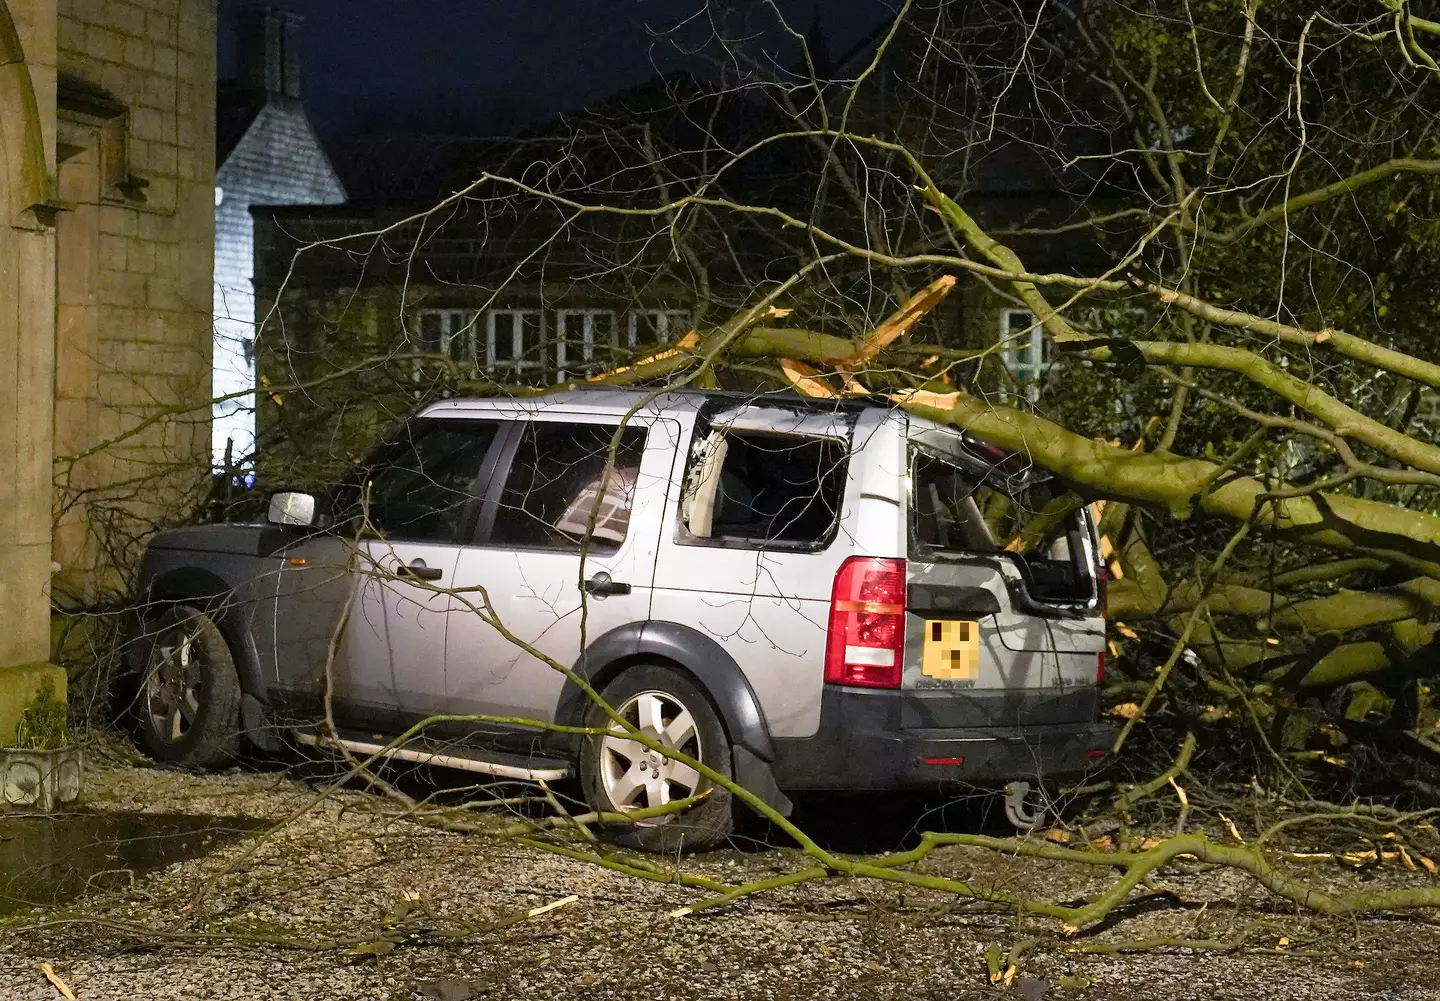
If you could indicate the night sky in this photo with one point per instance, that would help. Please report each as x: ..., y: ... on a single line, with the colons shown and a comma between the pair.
x: 479, y: 67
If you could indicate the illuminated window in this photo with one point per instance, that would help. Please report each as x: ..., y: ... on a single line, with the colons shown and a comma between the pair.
x: 1026, y: 349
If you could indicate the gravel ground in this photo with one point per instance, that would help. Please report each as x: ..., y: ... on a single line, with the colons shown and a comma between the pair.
x: 349, y: 871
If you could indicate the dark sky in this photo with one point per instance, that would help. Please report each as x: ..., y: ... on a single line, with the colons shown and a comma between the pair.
x: 485, y: 66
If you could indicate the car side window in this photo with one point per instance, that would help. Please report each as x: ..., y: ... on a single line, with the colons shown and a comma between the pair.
x: 421, y: 488
x: 558, y: 482
x: 753, y: 489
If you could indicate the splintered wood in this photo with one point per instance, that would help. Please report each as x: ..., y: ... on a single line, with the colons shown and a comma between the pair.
x: 811, y: 382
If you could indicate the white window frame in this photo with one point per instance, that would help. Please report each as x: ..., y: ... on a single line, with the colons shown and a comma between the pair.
x: 453, y: 323
x: 517, y: 363
x: 1029, y: 373
x: 577, y: 346
x: 666, y: 323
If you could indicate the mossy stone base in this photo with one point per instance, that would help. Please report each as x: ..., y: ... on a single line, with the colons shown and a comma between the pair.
x: 18, y: 685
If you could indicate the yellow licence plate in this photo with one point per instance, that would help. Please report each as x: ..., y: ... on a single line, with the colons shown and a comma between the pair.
x: 952, y: 650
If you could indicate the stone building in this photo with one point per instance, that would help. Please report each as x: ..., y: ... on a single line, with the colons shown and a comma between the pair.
x: 267, y: 154
x: 107, y: 140
x: 370, y: 328
x: 481, y: 288
x: 505, y: 287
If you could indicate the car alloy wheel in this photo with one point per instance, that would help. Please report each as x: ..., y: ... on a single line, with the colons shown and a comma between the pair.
x: 188, y: 695
x: 620, y: 775
x: 635, y: 776
x: 173, y: 683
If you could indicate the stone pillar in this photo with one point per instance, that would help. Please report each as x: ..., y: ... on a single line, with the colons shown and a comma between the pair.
x: 27, y: 351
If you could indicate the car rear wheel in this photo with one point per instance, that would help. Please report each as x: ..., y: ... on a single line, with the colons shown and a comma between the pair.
x: 187, y: 705
x: 620, y: 774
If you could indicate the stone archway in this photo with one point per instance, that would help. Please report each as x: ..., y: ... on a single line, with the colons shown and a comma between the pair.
x: 22, y: 140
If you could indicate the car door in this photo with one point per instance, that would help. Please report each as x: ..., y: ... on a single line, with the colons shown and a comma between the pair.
x: 560, y: 510
x: 418, y: 502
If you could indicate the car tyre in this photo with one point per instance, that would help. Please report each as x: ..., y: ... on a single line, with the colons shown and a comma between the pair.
x: 187, y: 698
x: 619, y: 774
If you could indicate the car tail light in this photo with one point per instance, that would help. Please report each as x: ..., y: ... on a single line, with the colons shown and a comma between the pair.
x: 866, y: 645
x: 1100, y: 668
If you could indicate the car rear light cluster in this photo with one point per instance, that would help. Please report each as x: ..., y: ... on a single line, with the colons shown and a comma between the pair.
x: 866, y: 644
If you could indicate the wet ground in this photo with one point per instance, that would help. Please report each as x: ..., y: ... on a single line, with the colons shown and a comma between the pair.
x: 349, y: 898
x: 48, y: 860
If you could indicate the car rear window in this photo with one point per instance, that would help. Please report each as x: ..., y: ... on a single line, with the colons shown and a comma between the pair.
x: 753, y: 489
x: 1027, y: 517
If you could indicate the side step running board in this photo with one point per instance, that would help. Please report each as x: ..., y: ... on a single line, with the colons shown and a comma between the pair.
x: 463, y: 762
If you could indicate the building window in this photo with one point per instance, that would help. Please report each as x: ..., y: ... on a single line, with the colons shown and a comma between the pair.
x: 515, y: 343
x: 653, y: 327
x: 526, y: 345
x: 585, y: 340
x: 448, y: 332
x: 1026, y: 349
x: 91, y: 118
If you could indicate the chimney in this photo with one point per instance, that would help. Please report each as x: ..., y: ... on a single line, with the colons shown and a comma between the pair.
x: 268, y: 47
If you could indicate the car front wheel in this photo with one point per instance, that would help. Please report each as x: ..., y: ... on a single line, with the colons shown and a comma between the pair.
x: 187, y: 707
x: 621, y: 775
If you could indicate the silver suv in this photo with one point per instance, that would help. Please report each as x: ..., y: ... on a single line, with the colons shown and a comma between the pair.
x: 805, y: 595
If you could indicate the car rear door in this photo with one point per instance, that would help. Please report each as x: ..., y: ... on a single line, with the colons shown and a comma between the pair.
x: 556, y: 513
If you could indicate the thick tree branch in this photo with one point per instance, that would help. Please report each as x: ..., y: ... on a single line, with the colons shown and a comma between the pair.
x: 1319, y: 196
x: 1344, y: 419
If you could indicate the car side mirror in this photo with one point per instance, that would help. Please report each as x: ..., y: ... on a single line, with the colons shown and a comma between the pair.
x: 291, y: 507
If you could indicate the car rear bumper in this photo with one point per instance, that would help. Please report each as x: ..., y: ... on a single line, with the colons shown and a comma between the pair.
x: 878, y: 740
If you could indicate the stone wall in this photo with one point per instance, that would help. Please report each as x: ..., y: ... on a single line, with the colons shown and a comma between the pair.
x: 27, y: 304
x: 134, y: 255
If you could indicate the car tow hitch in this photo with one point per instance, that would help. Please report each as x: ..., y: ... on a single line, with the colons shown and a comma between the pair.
x: 1024, y: 811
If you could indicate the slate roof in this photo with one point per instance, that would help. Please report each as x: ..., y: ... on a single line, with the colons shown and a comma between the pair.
x: 235, y: 111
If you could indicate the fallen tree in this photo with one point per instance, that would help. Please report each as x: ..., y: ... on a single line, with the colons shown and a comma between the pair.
x: 1266, y: 481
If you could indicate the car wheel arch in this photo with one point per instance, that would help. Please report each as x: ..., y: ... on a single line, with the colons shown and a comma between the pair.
x: 681, y: 648
x: 207, y: 592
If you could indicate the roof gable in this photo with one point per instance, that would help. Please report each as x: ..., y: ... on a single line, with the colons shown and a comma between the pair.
x: 278, y: 157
